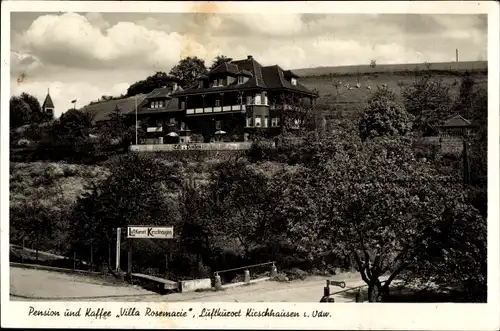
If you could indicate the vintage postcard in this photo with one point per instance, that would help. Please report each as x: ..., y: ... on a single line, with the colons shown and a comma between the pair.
x: 292, y: 165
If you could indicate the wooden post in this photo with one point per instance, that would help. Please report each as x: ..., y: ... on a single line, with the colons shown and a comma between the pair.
x: 91, y: 258
x: 109, y: 255
x: 129, y: 258
x: 118, y: 238
x: 166, y: 264
x: 74, y: 260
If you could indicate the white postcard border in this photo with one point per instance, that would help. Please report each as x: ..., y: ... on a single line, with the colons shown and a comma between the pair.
x: 343, y: 316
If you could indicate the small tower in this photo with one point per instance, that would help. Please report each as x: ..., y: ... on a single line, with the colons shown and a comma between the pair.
x: 48, y: 105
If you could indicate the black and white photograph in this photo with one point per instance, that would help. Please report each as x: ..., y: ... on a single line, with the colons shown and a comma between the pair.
x: 247, y: 156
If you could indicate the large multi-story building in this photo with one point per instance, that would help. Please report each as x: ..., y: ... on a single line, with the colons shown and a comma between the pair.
x: 231, y: 103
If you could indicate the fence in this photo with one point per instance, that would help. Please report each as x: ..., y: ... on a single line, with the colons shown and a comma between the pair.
x: 21, y: 254
x: 191, y: 147
x: 246, y: 274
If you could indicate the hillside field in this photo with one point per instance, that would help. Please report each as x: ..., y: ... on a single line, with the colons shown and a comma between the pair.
x: 350, y: 101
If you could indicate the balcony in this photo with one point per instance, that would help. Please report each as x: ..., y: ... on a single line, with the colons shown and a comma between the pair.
x: 212, y: 110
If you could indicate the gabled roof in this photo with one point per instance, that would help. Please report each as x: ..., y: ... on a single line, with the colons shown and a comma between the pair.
x: 48, y: 102
x: 270, y: 77
x: 457, y: 121
x: 225, y: 67
x: 102, y: 110
x: 254, y: 67
x: 275, y: 79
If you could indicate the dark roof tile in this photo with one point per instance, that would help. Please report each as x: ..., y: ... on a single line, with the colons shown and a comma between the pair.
x: 272, y: 77
x: 457, y: 121
x: 48, y: 102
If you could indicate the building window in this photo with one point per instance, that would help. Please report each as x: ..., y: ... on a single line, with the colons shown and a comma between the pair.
x: 218, y: 125
x: 249, y: 100
x: 172, y: 121
x: 257, y: 121
x: 217, y: 102
x: 215, y: 82
x: 249, y: 121
x: 241, y: 79
x: 274, y: 122
x: 160, y: 104
x: 183, y: 104
x: 221, y: 81
x: 159, y: 123
x: 183, y: 126
x: 265, y: 121
x: 200, y: 84
x: 266, y: 100
x: 294, y: 81
x: 257, y: 99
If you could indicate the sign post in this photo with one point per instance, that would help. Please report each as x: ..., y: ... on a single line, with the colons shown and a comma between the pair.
x: 147, y: 232
x: 118, y: 238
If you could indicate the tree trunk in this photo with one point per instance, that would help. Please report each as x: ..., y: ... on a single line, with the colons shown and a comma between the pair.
x: 372, y: 292
x: 376, y: 292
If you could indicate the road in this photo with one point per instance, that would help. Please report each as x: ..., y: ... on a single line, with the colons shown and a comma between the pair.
x: 32, y: 285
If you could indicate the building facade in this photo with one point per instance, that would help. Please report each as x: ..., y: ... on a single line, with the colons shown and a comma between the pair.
x: 233, y: 102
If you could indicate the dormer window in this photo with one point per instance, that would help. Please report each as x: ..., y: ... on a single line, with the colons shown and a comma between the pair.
x: 221, y: 81
x: 215, y: 82
x: 241, y: 79
x: 294, y: 81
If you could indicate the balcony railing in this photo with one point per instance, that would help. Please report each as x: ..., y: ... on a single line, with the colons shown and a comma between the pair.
x: 211, y: 110
x: 155, y: 129
x: 278, y: 106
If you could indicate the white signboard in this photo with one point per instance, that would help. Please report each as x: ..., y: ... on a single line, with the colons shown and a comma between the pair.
x: 150, y: 232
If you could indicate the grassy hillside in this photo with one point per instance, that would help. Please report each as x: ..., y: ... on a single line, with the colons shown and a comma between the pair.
x: 53, y: 184
x: 393, y: 68
x: 350, y: 101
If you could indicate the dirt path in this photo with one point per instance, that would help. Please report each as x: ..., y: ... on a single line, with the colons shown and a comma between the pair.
x: 30, y: 284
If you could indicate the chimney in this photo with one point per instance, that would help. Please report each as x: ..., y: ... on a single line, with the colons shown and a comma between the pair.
x: 249, y: 57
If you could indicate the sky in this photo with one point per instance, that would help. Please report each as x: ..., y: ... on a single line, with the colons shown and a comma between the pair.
x: 88, y: 55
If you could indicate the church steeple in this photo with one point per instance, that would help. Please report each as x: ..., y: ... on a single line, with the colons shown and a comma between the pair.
x: 48, y: 105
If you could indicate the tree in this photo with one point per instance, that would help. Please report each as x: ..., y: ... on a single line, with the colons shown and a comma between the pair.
x: 240, y: 196
x: 72, y: 127
x: 159, y: 79
x: 219, y: 59
x: 389, y: 209
x: 20, y: 112
x: 188, y: 70
x: 465, y: 102
x: 34, y: 220
x: 138, y: 191
x: 373, y: 63
x: 429, y: 101
x: 384, y: 116
x: 37, y: 115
